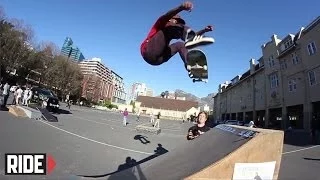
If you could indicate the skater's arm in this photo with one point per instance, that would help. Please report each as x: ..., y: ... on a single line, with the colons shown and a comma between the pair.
x: 172, y: 13
x: 201, y: 32
x: 167, y: 16
x: 161, y: 22
x: 206, y: 29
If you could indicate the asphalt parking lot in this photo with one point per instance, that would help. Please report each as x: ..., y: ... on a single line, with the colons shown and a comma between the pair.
x: 88, y: 142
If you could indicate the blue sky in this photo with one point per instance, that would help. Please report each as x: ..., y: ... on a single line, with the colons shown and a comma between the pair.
x: 113, y: 31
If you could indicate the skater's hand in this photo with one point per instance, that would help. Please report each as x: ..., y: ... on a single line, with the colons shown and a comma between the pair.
x: 187, y: 6
x: 209, y: 28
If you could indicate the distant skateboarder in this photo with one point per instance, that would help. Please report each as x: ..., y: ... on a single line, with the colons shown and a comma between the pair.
x: 156, y: 48
x: 151, y: 117
x: 157, y: 123
x: 200, y: 128
x: 138, y: 116
x: 125, y: 116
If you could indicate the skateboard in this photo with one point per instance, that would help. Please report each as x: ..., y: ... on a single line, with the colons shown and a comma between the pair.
x: 197, y: 65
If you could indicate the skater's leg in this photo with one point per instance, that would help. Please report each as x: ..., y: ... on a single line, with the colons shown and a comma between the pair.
x: 158, y: 50
x: 177, y: 47
x: 155, y: 48
x: 124, y: 121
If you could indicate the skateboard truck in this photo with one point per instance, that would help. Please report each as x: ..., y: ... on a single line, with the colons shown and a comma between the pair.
x: 197, y: 66
x: 197, y: 80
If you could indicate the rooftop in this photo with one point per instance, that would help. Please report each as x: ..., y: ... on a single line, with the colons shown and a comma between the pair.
x: 167, y: 104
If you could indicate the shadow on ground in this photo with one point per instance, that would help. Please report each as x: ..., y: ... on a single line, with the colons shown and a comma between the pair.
x: 126, y: 170
x: 311, y: 159
x: 142, y: 139
x: 297, y: 138
x: 63, y: 111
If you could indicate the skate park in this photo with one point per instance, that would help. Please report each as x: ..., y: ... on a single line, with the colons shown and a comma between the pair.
x: 99, y: 147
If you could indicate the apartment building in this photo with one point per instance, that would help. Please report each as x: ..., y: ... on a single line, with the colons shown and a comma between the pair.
x: 137, y: 89
x: 149, y: 92
x: 281, y: 90
x: 119, y: 94
x: 98, y: 81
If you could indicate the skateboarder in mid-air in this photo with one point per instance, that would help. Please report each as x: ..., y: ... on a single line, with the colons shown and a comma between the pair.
x: 156, y: 48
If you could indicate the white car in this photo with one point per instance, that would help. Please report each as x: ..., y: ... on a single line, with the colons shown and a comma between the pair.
x: 232, y: 122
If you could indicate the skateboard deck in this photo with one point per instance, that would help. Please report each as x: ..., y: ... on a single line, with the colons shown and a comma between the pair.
x: 47, y: 115
x: 197, y: 65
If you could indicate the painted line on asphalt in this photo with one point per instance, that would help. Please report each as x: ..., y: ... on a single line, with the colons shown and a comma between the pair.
x: 98, y: 142
x: 118, y: 125
x: 103, y: 123
x: 298, y: 150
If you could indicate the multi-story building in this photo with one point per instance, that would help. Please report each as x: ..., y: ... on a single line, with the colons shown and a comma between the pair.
x: 281, y: 90
x: 71, y: 51
x: 119, y: 94
x: 138, y: 89
x: 149, y: 92
x: 97, y: 82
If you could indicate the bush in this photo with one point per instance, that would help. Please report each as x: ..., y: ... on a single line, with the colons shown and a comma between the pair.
x: 109, y: 105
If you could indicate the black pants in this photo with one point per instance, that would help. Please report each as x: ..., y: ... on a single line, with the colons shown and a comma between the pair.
x: 5, y: 99
x: 159, y: 51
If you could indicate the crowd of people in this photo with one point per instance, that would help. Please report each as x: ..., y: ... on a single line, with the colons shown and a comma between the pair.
x: 22, y: 94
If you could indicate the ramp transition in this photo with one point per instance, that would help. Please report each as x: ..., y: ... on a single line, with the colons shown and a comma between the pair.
x: 212, y: 156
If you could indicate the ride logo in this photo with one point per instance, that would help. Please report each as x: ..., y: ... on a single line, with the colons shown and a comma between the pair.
x: 28, y: 164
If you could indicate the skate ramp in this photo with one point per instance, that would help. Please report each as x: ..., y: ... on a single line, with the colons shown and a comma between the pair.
x: 211, y: 156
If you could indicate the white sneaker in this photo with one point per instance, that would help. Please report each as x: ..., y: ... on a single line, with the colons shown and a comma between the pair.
x: 199, y: 41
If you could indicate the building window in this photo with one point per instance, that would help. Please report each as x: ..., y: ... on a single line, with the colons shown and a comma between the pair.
x: 288, y: 44
x: 283, y: 64
x: 292, y: 85
x: 271, y: 61
x: 274, y: 81
x: 312, y: 48
x: 295, y: 59
x: 312, y: 78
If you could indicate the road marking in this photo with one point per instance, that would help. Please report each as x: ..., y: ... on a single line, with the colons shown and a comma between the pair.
x: 117, y: 125
x: 98, y: 142
x: 298, y: 150
x: 104, y: 123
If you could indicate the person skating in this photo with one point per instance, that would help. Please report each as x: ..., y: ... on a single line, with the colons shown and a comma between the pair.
x: 156, y: 48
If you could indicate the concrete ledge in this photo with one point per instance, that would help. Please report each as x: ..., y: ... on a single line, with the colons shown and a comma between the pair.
x: 148, y: 129
x: 14, y: 110
x: 29, y: 112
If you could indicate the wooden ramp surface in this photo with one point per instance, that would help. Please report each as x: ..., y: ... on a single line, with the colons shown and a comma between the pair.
x: 212, y: 156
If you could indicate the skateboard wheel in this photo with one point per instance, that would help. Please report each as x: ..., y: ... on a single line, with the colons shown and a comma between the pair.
x: 188, y: 67
x: 206, y: 81
x: 205, y: 67
x: 193, y: 80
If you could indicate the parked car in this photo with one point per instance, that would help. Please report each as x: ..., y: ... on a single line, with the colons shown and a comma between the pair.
x: 232, y: 122
x: 235, y: 122
x: 46, y: 98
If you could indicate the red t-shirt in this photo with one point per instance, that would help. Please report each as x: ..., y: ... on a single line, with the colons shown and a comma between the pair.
x: 160, y: 24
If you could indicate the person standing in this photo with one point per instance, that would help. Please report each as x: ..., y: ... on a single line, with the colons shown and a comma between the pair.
x: 138, y: 116
x: 125, y: 116
x: 200, y: 128
x: 157, y: 124
x: 5, y: 93
x: 152, y: 117
x: 19, y: 93
x: 25, y: 96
